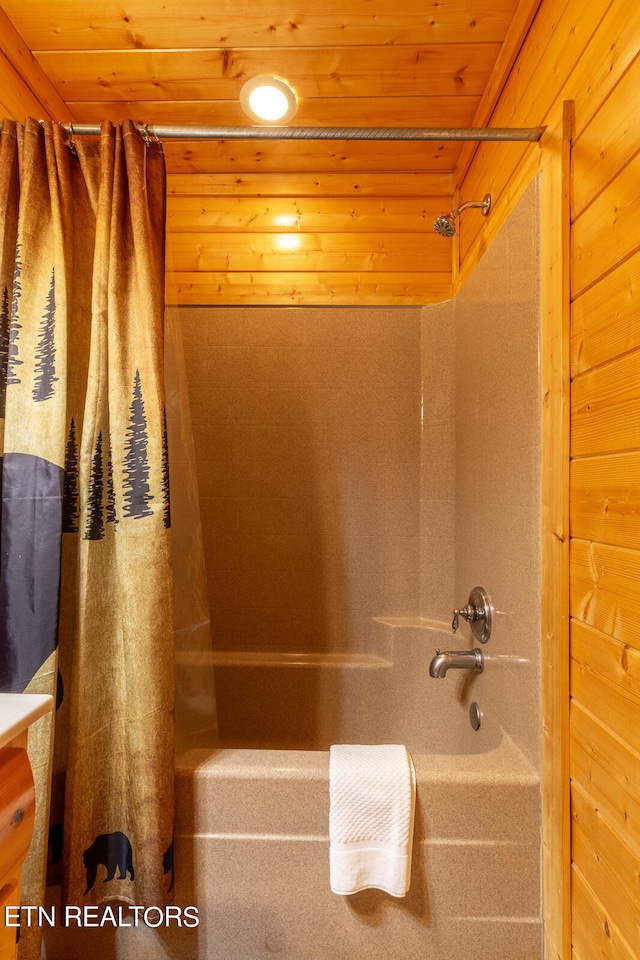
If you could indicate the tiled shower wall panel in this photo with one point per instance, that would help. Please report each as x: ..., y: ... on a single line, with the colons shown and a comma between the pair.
x: 438, y: 461
x: 307, y: 435
x: 497, y: 509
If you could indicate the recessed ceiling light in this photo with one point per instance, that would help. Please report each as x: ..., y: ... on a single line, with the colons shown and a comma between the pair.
x: 268, y: 100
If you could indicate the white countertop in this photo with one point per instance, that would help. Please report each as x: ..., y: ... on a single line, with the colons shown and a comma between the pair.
x: 18, y: 711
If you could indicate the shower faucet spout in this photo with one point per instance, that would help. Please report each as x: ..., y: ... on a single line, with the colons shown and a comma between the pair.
x: 456, y: 660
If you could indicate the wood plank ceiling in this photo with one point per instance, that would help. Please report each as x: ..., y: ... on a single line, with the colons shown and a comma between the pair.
x: 340, y: 222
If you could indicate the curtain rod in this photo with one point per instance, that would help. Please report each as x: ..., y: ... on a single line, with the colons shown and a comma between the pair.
x: 171, y: 132
x: 178, y: 132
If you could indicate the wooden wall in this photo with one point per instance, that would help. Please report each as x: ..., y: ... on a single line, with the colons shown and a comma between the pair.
x: 588, y: 53
x: 25, y: 90
x: 275, y: 231
x: 605, y: 525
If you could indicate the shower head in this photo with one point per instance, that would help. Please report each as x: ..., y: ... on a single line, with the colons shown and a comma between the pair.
x: 445, y: 226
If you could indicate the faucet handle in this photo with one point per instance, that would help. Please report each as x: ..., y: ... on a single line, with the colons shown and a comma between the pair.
x: 468, y: 612
x: 477, y: 612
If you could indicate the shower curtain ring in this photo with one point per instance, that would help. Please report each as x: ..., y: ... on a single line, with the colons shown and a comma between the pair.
x: 71, y: 142
x: 147, y: 135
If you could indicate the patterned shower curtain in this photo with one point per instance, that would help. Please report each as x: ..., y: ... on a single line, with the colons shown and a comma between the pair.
x: 85, y: 565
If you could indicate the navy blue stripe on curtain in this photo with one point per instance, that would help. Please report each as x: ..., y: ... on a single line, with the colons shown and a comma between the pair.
x: 30, y: 545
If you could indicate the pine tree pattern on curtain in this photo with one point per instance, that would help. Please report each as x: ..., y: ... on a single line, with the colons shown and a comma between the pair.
x: 85, y: 549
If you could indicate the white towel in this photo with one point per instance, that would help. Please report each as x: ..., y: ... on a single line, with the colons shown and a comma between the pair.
x: 372, y: 793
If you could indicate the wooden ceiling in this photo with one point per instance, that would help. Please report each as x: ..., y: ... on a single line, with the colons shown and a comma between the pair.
x: 290, y: 222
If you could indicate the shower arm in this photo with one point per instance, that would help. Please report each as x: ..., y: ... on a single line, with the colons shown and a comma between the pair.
x: 444, y: 225
x: 485, y: 204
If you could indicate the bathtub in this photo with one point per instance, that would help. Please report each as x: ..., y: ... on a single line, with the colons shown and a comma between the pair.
x: 252, y: 846
x: 252, y: 822
x: 307, y: 701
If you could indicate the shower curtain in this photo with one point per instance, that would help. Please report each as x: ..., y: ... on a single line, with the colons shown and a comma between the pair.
x: 85, y: 527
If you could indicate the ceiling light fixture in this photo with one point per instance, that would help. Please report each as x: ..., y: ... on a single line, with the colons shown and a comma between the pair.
x: 268, y: 100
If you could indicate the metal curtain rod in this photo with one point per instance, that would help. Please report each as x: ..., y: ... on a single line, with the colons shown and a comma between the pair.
x: 171, y: 132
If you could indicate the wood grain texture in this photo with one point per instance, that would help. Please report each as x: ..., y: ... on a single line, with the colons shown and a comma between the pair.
x: 608, y: 770
x: 608, y: 143
x: 353, y: 63
x: 608, y: 231
x: 554, y: 654
x: 395, y: 71
x: 605, y: 588
x: 605, y: 673
x: 237, y: 23
x: 558, y: 38
x: 312, y: 184
x: 311, y: 156
x: 18, y: 99
x: 513, y: 41
x: 605, y: 321
x: 9, y: 897
x: 605, y: 407
x: 292, y: 251
x: 572, y: 52
x: 594, y: 931
x: 318, y: 215
x: 28, y: 79
x: 605, y: 499
x: 17, y: 807
x: 286, y: 289
x: 415, y: 111
x: 607, y: 866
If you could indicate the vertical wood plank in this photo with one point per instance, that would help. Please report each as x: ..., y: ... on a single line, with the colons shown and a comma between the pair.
x: 554, y: 372
x: 595, y: 935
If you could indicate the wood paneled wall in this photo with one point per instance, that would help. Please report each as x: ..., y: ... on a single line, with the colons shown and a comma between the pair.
x: 588, y: 53
x: 605, y: 545
x: 328, y: 237
x: 25, y: 90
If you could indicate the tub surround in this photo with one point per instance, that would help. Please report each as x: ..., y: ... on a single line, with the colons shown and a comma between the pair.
x: 360, y: 468
x: 386, y: 697
x: 307, y: 437
x: 498, y: 405
x: 480, y: 506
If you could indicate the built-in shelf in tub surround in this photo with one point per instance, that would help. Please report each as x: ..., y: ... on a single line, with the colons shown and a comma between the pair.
x: 241, y: 658
x: 279, y: 699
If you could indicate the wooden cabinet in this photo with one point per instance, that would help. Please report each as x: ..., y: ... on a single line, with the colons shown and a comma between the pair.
x: 17, y: 803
